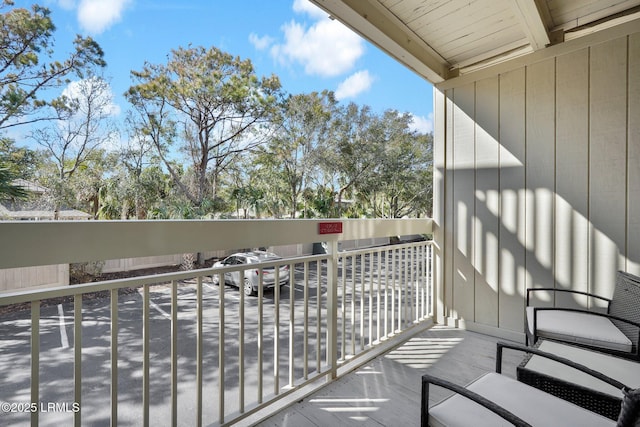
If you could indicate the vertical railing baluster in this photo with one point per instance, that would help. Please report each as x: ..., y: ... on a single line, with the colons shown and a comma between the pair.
x: 362, y: 281
x: 145, y: 355
x: 174, y: 353
x: 371, y: 264
x: 432, y: 299
x: 404, y: 291
x: 354, y: 267
x: 35, y: 360
x: 343, y: 344
x: 260, y: 334
x: 276, y: 337
x: 241, y: 341
x: 332, y: 308
x: 199, y: 343
x: 305, y: 337
x: 77, y: 357
x: 221, y: 346
x: 318, y: 316
x: 292, y: 327
x: 386, y: 293
x: 420, y: 281
x: 114, y: 357
x: 415, y: 285
x: 362, y: 262
x: 395, y: 301
x: 378, y: 296
x: 425, y: 275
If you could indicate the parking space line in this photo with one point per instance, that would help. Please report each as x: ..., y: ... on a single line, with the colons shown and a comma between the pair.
x: 159, y: 309
x: 64, y: 339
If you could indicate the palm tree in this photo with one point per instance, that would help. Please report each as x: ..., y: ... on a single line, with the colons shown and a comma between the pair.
x: 8, y: 190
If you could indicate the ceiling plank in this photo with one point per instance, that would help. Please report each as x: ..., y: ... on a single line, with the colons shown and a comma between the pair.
x: 532, y: 23
x: 378, y: 25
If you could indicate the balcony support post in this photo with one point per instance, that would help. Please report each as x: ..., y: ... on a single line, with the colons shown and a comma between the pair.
x: 332, y: 309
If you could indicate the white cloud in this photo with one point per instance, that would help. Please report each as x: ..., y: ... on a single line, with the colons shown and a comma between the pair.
x: 305, y: 6
x: 260, y: 43
x: 326, y: 49
x: 354, y: 85
x: 422, y: 124
x: 96, y: 16
x: 98, y: 89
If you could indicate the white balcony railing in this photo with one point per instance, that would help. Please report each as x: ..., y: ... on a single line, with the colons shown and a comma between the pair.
x: 177, y: 349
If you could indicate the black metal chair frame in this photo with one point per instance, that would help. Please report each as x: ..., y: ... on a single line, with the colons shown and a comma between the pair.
x: 628, y: 415
x: 532, y: 336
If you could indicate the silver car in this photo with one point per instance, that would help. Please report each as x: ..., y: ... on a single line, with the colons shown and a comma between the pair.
x: 251, y: 279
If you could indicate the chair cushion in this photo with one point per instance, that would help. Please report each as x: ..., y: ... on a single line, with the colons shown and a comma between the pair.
x: 579, y: 328
x: 532, y: 405
x: 626, y: 371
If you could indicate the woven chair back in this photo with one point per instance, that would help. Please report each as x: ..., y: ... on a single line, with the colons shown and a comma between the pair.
x: 625, y: 303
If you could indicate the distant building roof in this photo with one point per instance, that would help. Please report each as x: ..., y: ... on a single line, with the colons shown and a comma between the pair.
x: 38, y: 190
x: 30, y: 186
x: 6, y: 214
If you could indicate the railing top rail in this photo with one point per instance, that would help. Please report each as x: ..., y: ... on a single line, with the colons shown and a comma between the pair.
x: 384, y: 248
x: 30, y: 243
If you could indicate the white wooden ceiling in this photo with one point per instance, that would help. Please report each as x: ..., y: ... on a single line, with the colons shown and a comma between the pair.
x: 441, y: 39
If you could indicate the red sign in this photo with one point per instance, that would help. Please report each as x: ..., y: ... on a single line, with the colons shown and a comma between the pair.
x: 330, y: 227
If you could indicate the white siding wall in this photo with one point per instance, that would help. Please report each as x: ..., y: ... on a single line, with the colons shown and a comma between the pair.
x: 537, y: 179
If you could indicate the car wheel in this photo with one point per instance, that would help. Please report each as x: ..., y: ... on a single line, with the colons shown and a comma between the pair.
x: 248, y: 287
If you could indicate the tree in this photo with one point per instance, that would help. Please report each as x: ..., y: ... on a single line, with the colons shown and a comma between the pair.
x: 27, y: 68
x: 72, y: 142
x: 86, y: 183
x: 8, y: 190
x: 303, y: 125
x: 353, y: 150
x: 142, y: 183
x: 16, y: 162
x: 401, y: 183
x: 212, y: 104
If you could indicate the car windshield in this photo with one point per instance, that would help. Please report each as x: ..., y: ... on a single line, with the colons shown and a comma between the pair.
x: 261, y: 257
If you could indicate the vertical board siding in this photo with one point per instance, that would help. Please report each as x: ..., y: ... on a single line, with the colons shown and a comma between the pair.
x: 512, y: 200
x: 448, y: 297
x: 633, y: 158
x: 464, y: 195
x: 607, y: 165
x: 439, y: 204
x: 572, y: 173
x: 542, y: 183
x: 540, y: 172
x: 487, y: 199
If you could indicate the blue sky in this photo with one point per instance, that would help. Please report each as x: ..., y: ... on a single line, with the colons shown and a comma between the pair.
x: 290, y: 38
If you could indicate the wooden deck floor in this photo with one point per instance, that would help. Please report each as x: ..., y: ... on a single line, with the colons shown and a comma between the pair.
x: 386, y: 391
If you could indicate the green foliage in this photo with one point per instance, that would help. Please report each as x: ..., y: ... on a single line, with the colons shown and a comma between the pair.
x: 22, y: 162
x: 9, y: 191
x: 26, y: 67
x: 208, y: 102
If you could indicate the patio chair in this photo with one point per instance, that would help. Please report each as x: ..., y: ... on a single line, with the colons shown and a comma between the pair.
x: 494, y: 399
x: 616, y: 331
